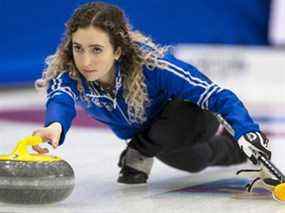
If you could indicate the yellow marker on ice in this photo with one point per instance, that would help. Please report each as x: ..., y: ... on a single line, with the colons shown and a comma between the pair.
x: 279, y: 192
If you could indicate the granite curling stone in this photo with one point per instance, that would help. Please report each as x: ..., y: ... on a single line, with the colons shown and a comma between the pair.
x: 34, y: 178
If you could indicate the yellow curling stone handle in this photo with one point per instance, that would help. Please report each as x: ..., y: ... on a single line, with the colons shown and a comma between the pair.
x: 20, y: 153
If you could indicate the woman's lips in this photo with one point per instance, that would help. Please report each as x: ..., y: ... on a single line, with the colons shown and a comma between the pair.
x: 89, y: 71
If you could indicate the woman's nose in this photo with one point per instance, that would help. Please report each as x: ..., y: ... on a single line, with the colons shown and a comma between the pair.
x: 86, y: 62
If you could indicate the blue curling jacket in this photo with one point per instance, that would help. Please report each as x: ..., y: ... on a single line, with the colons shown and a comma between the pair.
x: 177, y: 80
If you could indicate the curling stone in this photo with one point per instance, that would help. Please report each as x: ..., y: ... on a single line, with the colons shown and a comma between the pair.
x: 34, y: 178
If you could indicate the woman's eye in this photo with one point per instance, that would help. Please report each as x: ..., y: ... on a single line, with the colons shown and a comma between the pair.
x: 97, y: 50
x: 77, y: 49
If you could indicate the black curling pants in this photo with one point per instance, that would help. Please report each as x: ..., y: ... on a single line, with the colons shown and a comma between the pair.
x: 184, y: 136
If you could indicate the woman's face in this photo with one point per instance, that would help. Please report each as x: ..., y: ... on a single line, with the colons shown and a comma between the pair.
x: 94, y: 55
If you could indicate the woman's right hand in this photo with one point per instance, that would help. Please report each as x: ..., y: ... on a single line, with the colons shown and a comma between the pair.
x: 50, y: 134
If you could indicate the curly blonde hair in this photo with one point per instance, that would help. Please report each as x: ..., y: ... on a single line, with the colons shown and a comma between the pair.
x: 134, y: 54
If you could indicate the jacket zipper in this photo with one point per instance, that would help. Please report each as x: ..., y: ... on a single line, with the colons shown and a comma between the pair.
x: 115, y: 104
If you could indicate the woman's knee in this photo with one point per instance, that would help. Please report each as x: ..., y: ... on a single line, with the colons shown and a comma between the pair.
x: 190, y: 159
x: 193, y: 166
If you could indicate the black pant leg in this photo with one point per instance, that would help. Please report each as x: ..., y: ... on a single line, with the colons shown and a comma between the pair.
x: 226, y: 150
x: 183, y: 136
x: 180, y: 124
